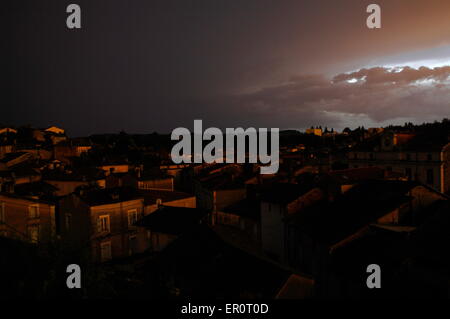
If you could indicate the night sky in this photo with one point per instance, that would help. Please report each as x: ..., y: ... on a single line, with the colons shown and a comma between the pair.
x: 144, y: 66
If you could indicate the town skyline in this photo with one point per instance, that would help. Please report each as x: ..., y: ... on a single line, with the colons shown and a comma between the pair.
x: 223, y: 157
x: 138, y: 66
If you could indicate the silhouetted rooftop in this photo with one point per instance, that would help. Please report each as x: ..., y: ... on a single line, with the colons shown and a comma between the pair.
x: 284, y: 193
x: 172, y: 220
x: 331, y: 222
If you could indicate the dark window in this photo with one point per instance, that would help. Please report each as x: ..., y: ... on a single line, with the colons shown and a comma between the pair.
x: 430, y: 176
x: 133, y: 245
x: 408, y: 173
x: 429, y: 157
x: 408, y: 157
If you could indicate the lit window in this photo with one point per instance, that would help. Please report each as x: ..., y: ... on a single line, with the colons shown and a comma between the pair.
x: 33, y: 233
x: 103, y: 224
x: 33, y: 211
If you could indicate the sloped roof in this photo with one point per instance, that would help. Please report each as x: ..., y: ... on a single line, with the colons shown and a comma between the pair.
x: 152, y: 195
x: 172, y: 220
x: 284, y: 193
x: 331, y: 222
x: 109, y: 196
x: 296, y: 287
x: 247, y: 207
x: 357, y: 174
x: 209, y: 267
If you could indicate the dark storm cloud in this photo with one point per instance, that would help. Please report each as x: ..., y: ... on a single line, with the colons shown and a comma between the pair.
x: 153, y: 65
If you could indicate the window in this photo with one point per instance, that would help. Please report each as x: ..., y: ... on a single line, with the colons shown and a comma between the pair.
x: 408, y: 157
x: 2, y: 212
x: 430, y: 176
x: 103, y: 224
x: 132, y: 245
x: 132, y: 217
x: 68, y: 221
x: 33, y: 233
x: 429, y: 157
x: 33, y: 211
x: 105, y: 251
x: 408, y: 173
x: 241, y: 224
